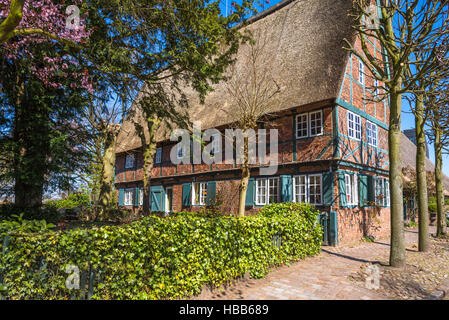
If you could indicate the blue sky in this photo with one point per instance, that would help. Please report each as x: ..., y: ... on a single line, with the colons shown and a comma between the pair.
x: 408, y: 120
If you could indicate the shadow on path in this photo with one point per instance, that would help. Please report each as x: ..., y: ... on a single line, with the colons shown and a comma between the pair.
x: 349, y: 257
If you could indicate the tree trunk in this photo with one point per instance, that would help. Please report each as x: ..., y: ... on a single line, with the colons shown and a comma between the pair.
x: 105, y: 199
x: 148, y: 151
x: 245, y: 179
x: 397, y: 250
x: 31, y: 147
x: 441, y: 219
x: 421, y: 178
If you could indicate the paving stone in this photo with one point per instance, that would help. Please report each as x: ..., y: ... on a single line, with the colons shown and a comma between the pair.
x: 322, y: 277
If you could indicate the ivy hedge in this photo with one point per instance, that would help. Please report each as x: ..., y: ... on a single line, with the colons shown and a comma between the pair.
x: 156, y: 258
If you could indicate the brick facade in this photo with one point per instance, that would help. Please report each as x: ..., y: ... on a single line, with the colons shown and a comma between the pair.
x: 334, y: 154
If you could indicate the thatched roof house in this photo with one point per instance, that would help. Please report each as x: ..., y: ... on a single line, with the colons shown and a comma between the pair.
x: 304, y: 41
x: 408, y: 152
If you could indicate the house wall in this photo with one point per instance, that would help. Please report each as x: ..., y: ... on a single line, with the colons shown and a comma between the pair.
x: 333, y: 152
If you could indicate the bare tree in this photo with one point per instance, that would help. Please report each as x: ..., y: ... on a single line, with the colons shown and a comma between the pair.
x: 404, y: 26
x: 254, y: 88
x: 439, y: 133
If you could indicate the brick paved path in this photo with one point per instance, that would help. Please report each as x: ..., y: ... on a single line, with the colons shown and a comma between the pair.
x: 321, y: 277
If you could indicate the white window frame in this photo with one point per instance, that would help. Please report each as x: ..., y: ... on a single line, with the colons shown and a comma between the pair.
x: 202, y: 197
x: 356, y: 121
x: 352, y: 189
x: 297, y: 184
x: 140, y: 196
x: 372, y: 134
x: 321, y: 188
x: 266, y: 188
x: 387, y: 193
x: 129, y: 161
x: 158, y: 158
x: 310, y: 123
x: 307, y: 184
x: 361, y: 72
x: 378, y: 191
x: 306, y: 119
x: 128, y: 197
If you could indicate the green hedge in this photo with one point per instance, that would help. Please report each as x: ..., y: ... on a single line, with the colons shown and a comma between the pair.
x: 158, y: 258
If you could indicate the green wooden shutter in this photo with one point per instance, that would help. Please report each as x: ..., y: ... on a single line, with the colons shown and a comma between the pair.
x: 136, y: 197
x: 249, y: 202
x: 156, y: 198
x: 328, y: 188
x: 286, y: 188
x: 363, y: 190
x: 370, y: 183
x: 211, y: 191
x: 121, y: 196
x: 186, y: 194
x: 342, y: 189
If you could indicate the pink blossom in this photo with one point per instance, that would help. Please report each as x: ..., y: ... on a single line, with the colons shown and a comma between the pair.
x: 50, y: 17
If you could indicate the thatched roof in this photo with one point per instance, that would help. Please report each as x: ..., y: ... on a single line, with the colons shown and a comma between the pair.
x: 305, y: 40
x: 408, y: 153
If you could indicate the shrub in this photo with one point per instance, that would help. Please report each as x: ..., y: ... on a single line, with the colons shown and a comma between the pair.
x: 159, y: 258
x: 73, y: 200
x: 49, y: 214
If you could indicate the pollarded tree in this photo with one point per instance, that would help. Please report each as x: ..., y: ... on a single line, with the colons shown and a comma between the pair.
x: 254, y: 89
x: 437, y: 104
x: 404, y: 26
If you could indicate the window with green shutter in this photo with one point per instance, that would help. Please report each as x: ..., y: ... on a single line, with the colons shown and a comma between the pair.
x: 186, y: 194
x: 249, y: 202
x: 121, y: 196
x: 286, y: 188
x: 211, y: 191
x: 328, y: 188
x: 342, y: 189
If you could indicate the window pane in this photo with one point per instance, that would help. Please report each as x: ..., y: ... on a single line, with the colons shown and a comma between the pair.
x: 261, y: 187
x: 315, y: 123
x: 301, y: 125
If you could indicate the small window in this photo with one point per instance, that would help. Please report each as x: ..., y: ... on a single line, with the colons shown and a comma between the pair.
x: 371, y: 133
x: 354, y: 126
x: 378, y: 191
x: 361, y: 73
x: 129, y: 161
x: 300, y: 189
x: 315, y: 187
x: 158, y: 155
x: 128, y: 197
x: 199, y: 194
x: 215, y: 145
x: 382, y: 192
x: 141, y: 197
x: 376, y: 87
x: 351, y: 189
x: 180, y: 152
x: 387, y: 193
x: 302, y: 125
x: 316, y: 123
x: 267, y: 191
x: 309, y: 124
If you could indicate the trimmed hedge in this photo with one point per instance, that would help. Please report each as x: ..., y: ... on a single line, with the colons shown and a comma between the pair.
x: 158, y: 258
